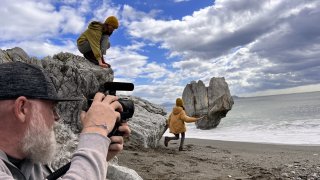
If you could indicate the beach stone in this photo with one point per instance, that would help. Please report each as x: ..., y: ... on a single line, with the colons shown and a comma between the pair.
x: 121, y: 172
x: 285, y: 175
x: 147, y: 124
x: 213, y: 101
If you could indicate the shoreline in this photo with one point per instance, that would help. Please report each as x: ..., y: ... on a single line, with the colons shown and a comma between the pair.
x: 248, y: 142
x: 215, y: 159
x: 233, y: 143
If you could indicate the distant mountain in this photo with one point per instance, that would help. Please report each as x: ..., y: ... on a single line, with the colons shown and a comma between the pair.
x: 168, y: 106
x: 236, y: 97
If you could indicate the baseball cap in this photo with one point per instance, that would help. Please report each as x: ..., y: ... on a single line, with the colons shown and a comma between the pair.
x: 22, y: 79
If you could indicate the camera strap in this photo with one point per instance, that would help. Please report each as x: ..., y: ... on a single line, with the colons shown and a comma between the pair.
x: 60, y: 172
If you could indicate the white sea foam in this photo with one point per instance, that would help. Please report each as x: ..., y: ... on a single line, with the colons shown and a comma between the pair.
x: 285, y: 119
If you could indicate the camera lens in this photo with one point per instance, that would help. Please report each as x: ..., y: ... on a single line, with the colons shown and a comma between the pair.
x: 128, y: 108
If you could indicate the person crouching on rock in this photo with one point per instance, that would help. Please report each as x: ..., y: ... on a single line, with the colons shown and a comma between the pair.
x: 176, y: 123
x: 94, y: 42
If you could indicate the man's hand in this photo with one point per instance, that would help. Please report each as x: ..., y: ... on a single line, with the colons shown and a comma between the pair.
x: 102, y: 114
x: 116, y: 145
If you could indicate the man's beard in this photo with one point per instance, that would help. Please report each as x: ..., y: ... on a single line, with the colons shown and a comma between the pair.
x: 39, y: 142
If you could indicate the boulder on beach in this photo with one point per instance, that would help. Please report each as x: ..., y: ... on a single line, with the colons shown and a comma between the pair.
x: 212, y: 102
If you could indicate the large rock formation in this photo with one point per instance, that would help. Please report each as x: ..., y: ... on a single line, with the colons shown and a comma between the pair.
x: 213, y: 102
x: 74, y: 76
x: 147, y: 124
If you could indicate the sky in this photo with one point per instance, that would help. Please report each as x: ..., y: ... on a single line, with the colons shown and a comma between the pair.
x: 260, y: 47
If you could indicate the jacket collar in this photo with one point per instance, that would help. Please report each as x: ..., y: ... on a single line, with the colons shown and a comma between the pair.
x: 26, y: 167
x: 4, y: 157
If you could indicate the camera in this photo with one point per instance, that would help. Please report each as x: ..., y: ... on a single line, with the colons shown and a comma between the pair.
x: 110, y: 88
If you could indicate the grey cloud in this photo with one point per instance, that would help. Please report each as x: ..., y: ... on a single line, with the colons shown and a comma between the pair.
x: 192, y: 41
x: 240, y: 6
x: 283, y: 38
x: 273, y: 79
x: 302, y: 30
x: 295, y: 50
x: 245, y: 34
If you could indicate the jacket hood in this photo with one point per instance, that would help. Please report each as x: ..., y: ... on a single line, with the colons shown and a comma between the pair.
x: 95, y: 25
x: 176, y: 110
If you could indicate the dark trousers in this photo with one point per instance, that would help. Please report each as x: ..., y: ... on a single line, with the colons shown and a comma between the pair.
x: 90, y: 56
x: 176, y: 137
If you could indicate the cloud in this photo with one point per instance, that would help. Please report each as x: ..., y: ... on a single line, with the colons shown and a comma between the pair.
x: 125, y: 62
x: 256, y: 46
x: 72, y: 21
x: 105, y: 9
x: 43, y: 48
x: 23, y: 20
x: 129, y: 15
x: 160, y: 94
x: 209, y: 32
x: 48, y: 27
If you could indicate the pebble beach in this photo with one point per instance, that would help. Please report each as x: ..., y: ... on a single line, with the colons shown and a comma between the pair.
x: 211, y: 159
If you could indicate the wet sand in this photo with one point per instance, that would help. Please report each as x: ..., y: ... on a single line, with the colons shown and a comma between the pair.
x: 210, y: 159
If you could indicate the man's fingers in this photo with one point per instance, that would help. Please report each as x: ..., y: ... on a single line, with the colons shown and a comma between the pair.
x: 116, y: 143
x: 101, y: 97
x: 98, y: 97
x: 118, y: 116
x: 116, y: 147
x: 124, y: 128
x: 117, y: 106
x: 110, y: 99
x: 82, y: 115
x: 116, y: 139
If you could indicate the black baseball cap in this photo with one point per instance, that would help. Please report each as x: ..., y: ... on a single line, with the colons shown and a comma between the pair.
x: 22, y: 79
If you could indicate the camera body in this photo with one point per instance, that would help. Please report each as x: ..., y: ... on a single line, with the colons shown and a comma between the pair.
x: 110, y: 88
x: 128, y: 109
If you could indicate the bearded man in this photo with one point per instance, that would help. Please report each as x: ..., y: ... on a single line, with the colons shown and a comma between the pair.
x: 27, y: 117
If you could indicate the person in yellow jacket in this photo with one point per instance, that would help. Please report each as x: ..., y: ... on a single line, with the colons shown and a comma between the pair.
x: 176, y: 123
x: 94, y: 42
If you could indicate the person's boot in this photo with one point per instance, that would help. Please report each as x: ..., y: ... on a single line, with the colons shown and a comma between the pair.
x: 166, y: 141
x: 181, y: 145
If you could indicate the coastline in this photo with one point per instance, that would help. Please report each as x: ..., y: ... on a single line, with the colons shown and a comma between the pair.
x: 214, y: 159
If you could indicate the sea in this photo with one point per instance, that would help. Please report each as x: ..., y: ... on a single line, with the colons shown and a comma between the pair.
x: 279, y: 119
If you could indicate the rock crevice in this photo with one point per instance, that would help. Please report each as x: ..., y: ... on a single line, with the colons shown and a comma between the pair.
x: 213, y: 102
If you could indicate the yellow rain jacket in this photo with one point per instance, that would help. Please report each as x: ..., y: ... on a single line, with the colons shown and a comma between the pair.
x: 177, y: 120
x: 93, y: 34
